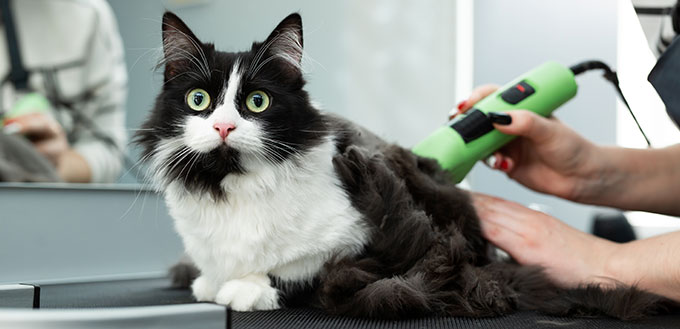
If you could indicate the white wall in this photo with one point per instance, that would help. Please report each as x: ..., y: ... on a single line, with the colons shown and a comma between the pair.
x: 511, y: 37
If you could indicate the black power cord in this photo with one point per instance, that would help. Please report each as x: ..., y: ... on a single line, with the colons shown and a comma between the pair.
x: 611, y: 76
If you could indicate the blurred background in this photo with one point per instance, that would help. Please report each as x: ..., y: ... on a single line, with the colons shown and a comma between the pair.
x: 397, y: 67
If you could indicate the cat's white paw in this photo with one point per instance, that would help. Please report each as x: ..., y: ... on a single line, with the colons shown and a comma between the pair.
x: 251, y: 293
x: 204, y: 289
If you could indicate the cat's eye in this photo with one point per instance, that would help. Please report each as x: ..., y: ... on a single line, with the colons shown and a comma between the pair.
x: 257, y: 101
x: 198, y: 99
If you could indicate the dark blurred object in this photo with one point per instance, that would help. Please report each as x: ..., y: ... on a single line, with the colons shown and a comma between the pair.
x: 614, y: 227
x: 666, y: 80
x: 20, y: 162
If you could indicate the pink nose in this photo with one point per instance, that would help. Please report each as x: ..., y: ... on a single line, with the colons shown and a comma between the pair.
x: 224, y: 129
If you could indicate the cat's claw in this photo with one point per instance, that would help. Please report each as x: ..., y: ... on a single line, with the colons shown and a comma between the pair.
x: 204, y: 290
x: 251, y: 293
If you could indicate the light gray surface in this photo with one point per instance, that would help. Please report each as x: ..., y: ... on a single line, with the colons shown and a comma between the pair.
x: 64, y: 232
x: 511, y: 37
x: 16, y: 295
x: 185, y: 316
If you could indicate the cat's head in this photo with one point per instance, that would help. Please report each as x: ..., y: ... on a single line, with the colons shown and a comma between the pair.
x: 223, y: 113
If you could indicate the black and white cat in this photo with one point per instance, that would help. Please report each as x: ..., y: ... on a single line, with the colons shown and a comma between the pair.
x: 273, y: 197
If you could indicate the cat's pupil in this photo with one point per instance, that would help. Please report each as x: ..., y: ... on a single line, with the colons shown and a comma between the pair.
x: 198, y: 98
x: 258, y: 100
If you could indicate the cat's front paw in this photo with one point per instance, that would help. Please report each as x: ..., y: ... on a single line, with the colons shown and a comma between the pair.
x: 251, y: 293
x: 204, y: 289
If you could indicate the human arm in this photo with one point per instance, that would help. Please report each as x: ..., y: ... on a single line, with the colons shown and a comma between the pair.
x: 572, y: 257
x: 551, y: 158
x: 86, y: 98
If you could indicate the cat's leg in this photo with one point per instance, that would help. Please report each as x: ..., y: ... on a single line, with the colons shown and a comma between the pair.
x: 250, y: 293
x: 204, y: 288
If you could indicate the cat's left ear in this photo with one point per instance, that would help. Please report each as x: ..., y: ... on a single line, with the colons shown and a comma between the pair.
x: 285, y: 41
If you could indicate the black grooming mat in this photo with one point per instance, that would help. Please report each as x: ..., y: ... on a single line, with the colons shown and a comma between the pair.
x: 146, y: 292
x: 310, y: 318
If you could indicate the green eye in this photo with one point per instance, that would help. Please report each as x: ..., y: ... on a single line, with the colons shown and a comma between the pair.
x: 257, y: 101
x: 198, y: 99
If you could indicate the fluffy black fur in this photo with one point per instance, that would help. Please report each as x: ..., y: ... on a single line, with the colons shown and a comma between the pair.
x: 426, y: 255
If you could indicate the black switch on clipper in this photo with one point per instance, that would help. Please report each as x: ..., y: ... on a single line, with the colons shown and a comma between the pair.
x: 517, y: 92
x: 474, y: 125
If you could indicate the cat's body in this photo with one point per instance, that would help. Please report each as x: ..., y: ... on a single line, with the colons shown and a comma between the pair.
x: 285, y: 221
x: 264, y: 186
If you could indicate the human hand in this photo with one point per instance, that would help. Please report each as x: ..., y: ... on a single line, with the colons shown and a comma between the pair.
x: 43, y: 131
x: 548, y: 157
x: 570, y: 257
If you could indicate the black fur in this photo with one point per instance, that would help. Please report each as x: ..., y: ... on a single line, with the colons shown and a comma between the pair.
x: 426, y: 254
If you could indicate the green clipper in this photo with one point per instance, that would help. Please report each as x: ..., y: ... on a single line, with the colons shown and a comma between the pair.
x: 469, y: 137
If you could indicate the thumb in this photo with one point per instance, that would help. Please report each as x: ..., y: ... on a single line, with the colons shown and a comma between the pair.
x: 528, y: 124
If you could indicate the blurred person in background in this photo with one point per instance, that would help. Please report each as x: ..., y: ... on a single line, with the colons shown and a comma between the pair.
x: 63, y: 91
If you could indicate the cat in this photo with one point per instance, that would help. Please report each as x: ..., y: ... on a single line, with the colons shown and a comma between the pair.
x: 277, y: 202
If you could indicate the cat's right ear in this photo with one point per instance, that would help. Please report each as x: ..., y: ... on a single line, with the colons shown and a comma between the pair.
x: 181, y: 48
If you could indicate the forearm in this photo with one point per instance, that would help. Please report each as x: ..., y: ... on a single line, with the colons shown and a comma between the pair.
x: 636, y: 179
x: 650, y: 264
x: 73, y: 168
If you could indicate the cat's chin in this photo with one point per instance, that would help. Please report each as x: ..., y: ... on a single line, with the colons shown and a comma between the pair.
x: 223, y: 152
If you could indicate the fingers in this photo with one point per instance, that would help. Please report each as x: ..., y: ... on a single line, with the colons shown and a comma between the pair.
x: 52, y: 148
x: 498, y: 226
x: 44, y: 132
x: 510, y: 215
x: 475, y: 96
x: 528, y: 124
x: 35, y: 126
x: 521, y: 232
x: 499, y: 161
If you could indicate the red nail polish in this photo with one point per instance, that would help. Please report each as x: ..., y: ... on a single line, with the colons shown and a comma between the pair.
x: 461, y: 105
x: 504, y: 164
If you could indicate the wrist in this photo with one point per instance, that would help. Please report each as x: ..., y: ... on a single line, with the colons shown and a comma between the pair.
x: 616, y: 265
x: 597, y: 177
x: 73, y: 168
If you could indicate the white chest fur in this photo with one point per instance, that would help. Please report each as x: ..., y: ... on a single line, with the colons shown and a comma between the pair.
x: 285, y: 220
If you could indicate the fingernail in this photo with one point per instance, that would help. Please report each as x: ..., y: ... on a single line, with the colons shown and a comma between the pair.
x: 505, y: 164
x: 453, y: 113
x: 491, y: 161
x: 11, y: 128
x: 461, y: 105
x: 500, y: 118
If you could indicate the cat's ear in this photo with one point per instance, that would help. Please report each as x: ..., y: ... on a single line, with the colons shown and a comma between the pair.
x: 285, y: 42
x: 181, y: 48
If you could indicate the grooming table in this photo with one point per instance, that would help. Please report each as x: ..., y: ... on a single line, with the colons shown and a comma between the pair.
x: 62, y: 267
